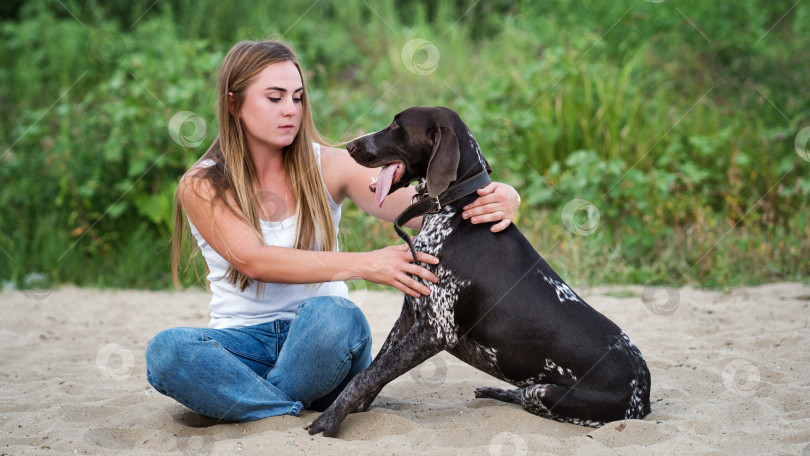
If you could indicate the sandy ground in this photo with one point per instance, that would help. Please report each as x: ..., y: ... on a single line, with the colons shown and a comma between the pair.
x: 731, y: 375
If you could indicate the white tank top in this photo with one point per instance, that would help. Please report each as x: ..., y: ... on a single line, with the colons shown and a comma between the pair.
x: 231, y: 308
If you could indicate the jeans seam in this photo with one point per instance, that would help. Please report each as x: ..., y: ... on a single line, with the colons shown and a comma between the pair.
x: 363, y: 340
x: 336, y: 381
x: 228, y: 353
x: 247, y: 355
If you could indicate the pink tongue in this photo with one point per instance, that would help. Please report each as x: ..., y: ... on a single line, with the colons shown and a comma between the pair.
x: 384, y: 181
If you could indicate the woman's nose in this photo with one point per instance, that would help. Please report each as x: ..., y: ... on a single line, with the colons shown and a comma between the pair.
x: 289, y: 107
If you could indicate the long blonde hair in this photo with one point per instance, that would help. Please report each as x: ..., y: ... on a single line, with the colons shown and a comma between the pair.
x: 234, y: 173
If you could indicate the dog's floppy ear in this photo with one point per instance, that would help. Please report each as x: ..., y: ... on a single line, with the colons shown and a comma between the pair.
x: 443, y: 165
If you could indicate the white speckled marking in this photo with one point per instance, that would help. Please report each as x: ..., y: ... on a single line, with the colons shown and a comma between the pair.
x: 478, y: 356
x: 564, y: 292
x: 638, y: 385
x: 532, y: 400
x: 474, y: 146
x: 439, y: 305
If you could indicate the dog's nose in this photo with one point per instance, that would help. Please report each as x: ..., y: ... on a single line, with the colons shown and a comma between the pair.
x: 350, y: 147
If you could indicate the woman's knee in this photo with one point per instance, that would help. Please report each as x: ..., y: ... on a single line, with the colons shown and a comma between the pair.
x: 164, y: 352
x: 334, y: 318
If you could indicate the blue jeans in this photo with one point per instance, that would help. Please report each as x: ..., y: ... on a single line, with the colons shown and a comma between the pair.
x: 270, y: 369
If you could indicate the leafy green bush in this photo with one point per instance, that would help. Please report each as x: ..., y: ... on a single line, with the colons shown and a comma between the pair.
x: 674, y: 121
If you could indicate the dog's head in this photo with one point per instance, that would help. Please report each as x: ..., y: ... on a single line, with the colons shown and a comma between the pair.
x: 420, y: 143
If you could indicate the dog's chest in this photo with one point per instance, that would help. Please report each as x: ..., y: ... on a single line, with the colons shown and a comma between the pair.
x: 437, y: 310
x: 436, y: 228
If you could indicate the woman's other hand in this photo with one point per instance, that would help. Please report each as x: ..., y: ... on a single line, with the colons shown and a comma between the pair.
x: 497, y: 202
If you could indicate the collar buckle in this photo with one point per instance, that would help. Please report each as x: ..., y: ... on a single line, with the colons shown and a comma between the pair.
x: 437, y: 208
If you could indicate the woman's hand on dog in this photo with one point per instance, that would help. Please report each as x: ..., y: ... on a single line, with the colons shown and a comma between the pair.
x: 394, y: 266
x: 496, y: 203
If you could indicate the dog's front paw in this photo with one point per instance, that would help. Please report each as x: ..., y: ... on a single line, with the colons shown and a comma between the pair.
x: 364, y: 405
x: 327, y: 423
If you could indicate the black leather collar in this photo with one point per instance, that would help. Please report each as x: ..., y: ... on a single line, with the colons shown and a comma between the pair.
x: 426, y: 205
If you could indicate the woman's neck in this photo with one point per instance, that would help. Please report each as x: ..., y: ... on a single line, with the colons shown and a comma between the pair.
x: 269, y: 163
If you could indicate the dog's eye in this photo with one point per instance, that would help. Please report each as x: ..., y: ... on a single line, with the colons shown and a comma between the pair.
x: 393, y: 126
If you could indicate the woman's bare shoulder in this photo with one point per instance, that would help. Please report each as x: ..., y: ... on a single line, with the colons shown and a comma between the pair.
x: 336, y: 168
x: 195, y: 184
x: 330, y: 154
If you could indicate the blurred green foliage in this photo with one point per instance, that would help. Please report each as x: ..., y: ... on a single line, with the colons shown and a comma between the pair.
x: 675, y: 120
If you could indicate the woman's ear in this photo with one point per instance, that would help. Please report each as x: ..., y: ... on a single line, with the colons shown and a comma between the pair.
x: 230, y: 102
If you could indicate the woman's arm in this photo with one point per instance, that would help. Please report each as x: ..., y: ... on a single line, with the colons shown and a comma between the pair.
x: 236, y: 241
x: 347, y: 179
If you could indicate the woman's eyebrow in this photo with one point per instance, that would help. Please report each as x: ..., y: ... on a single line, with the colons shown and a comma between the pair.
x: 282, y: 90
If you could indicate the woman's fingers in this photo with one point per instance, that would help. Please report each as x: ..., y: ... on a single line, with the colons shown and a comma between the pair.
x: 426, y: 258
x: 482, y: 213
x: 500, y: 226
x: 404, y: 275
x: 496, y: 203
x: 405, y: 282
x: 483, y: 199
x: 407, y: 290
x: 422, y: 273
x: 487, y: 189
x: 416, y: 289
x: 421, y: 256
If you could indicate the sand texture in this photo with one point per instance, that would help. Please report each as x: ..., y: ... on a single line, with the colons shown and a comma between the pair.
x: 730, y: 370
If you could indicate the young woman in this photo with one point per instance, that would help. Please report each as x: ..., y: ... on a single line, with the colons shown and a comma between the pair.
x: 263, y: 204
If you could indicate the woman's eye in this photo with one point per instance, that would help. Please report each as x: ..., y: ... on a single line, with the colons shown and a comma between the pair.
x: 274, y: 100
x: 297, y: 100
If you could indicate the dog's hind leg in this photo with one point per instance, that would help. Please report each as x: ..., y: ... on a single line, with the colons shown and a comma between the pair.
x: 570, y: 405
x: 555, y: 402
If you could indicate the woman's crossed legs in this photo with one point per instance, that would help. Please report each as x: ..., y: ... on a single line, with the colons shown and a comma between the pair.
x: 270, y: 369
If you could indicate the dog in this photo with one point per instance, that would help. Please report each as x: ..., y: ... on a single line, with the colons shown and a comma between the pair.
x: 498, y: 306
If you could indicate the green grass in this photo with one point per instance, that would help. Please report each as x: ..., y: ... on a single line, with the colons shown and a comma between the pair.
x: 676, y: 121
